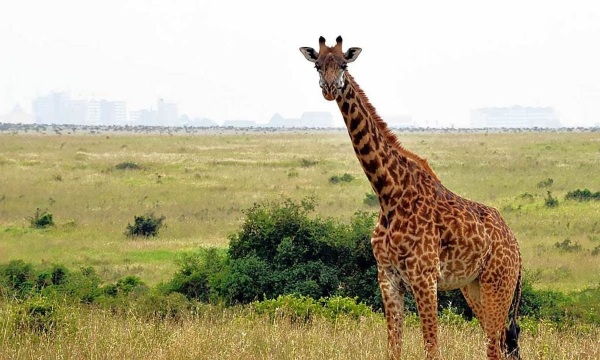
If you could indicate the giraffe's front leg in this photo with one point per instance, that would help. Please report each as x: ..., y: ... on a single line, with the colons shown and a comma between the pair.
x: 424, y: 290
x: 392, y: 293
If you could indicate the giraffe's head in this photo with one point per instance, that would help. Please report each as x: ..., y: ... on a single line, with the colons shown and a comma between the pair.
x: 331, y: 63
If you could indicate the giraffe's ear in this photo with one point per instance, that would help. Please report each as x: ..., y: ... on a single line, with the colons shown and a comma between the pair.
x: 309, y: 53
x: 351, y: 54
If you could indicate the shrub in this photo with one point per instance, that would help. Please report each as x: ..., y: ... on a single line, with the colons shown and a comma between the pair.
x: 128, y: 165
x: 37, y: 315
x: 550, y: 201
x: 371, y: 199
x: 144, y: 225
x: 338, y: 179
x: 544, y: 304
x: 157, y: 306
x: 41, y: 219
x: 17, y: 279
x: 56, y: 275
x: 298, y: 308
x: 83, y: 285
x: 123, y: 286
x: 582, y: 195
x: 545, y: 183
x: 199, y: 276
x: 249, y: 279
x: 567, y: 246
x: 308, y: 163
x: 281, y: 250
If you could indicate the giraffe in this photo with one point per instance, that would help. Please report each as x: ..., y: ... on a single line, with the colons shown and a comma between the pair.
x: 426, y: 238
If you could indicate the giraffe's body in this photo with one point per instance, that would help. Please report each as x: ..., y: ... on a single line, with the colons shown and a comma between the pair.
x: 426, y: 238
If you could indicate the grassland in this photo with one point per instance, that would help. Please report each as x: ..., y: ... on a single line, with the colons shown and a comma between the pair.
x: 236, y: 333
x: 202, y: 184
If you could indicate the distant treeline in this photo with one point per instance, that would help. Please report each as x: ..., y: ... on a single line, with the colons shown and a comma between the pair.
x: 66, y: 129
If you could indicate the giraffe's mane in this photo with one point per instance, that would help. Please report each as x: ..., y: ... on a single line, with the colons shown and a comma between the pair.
x: 388, y: 135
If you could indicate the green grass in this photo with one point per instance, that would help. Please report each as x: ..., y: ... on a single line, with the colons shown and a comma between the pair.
x: 202, y: 183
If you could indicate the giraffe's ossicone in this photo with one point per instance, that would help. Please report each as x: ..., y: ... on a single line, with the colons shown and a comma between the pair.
x: 426, y: 238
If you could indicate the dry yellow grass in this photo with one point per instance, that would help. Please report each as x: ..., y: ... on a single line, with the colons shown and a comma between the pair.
x: 239, y: 334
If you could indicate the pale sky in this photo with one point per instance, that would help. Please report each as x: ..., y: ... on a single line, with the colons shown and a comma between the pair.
x: 431, y: 60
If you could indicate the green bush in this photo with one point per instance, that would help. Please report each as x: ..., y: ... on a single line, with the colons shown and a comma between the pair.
x: 299, y: 308
x: 371, y: 199
x: 38, y: 315
x: 567, y: 246
x: 249, y: 279
x: 56, y: 275
x: 282, y: 250
x: 144, y: 225
x: 41, y: 219
x: 582, y: 195
x: 17, y: 279
x: 200, y: 275
x: 550, y: 201
x: 157, y: 306
x: 123, y: 286
x: 128, y: 165
x: 308, y: 163
x: 545, y: 183
x: 338, y: 179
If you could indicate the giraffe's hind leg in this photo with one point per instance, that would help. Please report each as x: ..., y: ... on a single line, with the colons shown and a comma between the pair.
x: 496, y: 297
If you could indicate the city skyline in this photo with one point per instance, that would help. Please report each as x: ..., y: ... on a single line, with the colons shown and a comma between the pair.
x: 433, y: 62
x: 60, y: 108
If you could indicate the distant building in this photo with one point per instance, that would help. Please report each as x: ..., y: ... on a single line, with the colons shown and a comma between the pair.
x: 309, y: 119
x: 201, y: 122
x: 166, y: 113
x: 113, y: 112
x: 58, y: 108
x: 77, y: 112
x: 51, y: 109
x: 279, y: 121
x: 316, y: 119
x: 240, y: 123
x: 142, y: 117
x: 514, y: 117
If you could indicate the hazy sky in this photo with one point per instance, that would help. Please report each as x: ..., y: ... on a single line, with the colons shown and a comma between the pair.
x: 433, y: 61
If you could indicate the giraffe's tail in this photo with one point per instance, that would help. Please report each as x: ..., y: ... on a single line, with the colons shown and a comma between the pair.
x: 511, y: 336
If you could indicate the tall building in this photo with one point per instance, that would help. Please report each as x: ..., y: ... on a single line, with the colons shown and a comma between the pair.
x: 142, y: 117
x: 515, y: 117
x: 93, y: 116
x: 77, y: 112
x: 113, y: 112
x: 58, y: 108
x: 51, y: 109
x: 166, y: 113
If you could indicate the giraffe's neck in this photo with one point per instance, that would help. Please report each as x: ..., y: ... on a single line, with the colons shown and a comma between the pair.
x: 385, y: 162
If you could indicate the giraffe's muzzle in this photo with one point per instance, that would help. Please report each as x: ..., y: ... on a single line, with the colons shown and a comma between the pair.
x: 330, y: 92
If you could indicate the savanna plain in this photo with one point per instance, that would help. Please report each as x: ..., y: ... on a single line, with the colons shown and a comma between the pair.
x: 202, y: 181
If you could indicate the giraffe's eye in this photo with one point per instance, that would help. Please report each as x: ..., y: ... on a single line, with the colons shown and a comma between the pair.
x: 344, y: 66
x: 318, y: 67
